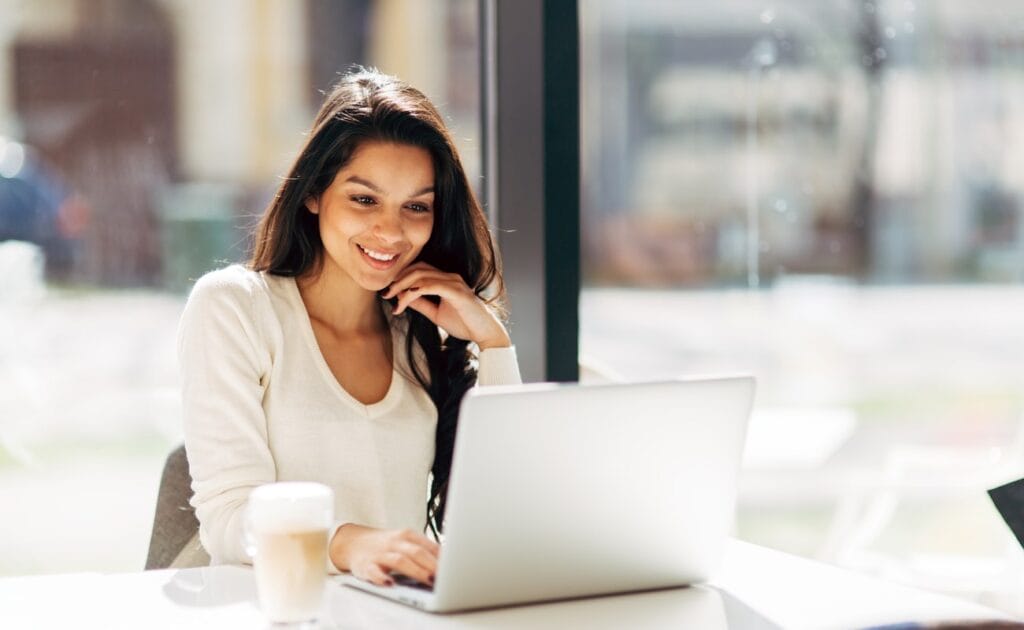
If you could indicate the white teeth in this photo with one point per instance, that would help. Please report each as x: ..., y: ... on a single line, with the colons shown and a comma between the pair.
x: 377, y: 255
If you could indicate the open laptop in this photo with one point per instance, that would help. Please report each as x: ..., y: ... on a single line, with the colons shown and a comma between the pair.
x: 562, y: 491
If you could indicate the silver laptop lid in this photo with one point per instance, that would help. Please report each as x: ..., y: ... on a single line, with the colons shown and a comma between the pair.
x: 568, y: 490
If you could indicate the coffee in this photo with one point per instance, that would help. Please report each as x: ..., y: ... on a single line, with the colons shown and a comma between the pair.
x: 290, y: 573
x: 288, y: 526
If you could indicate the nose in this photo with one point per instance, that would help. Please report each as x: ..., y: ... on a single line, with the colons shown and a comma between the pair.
x: 389, y: 227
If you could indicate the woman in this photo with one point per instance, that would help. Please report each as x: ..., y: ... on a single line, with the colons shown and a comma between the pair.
x: 341, y: 353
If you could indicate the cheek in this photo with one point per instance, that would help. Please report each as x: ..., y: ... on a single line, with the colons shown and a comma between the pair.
x: 420, y: 234
x: 342, y: 225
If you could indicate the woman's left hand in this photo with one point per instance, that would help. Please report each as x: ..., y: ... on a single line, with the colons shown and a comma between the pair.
x: 460, y: 312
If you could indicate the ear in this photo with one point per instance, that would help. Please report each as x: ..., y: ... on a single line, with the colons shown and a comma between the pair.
x: 313, y: 205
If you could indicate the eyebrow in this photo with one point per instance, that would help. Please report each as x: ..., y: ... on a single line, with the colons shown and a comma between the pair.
x: 355, y: 179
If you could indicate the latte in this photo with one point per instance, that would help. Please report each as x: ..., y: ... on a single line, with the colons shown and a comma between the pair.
x: 288, y: 524
x: 291, y: 573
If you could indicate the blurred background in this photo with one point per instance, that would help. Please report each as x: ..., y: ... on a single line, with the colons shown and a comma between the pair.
x: 827, y: 194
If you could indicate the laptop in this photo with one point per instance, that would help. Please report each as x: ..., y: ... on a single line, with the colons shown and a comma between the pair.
x: 566, y: 491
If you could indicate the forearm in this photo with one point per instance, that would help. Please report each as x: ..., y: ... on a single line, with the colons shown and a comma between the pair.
x: 498, y: 338
x: 222, y: 530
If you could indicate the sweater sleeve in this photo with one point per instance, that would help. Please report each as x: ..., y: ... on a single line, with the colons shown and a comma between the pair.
x: 498, y: 366
x: 225, y: 426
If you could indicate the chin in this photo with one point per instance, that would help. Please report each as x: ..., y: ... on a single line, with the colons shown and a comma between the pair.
x: 375, y: 285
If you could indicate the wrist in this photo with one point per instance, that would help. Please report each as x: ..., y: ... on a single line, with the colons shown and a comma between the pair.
x: 498, y: 341
x: 340, y: 546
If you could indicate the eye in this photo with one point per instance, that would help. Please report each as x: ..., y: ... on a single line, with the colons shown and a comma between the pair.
x: 419, y: 207
x: 363, y: 200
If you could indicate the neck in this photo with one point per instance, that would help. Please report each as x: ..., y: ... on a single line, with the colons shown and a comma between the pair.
x: 336, y: 300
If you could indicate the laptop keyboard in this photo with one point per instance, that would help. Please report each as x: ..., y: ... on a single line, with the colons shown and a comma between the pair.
x: 408, y: 581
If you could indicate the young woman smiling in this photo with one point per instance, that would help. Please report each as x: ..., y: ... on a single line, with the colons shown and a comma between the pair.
x: 341, y: 352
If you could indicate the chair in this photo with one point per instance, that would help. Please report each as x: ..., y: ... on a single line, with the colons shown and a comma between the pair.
x: 174, y: 523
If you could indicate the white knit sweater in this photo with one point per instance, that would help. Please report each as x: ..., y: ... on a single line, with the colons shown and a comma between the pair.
x: 261, y: 405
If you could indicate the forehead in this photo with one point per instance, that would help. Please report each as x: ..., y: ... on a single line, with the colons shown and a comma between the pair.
x: 391, y: 161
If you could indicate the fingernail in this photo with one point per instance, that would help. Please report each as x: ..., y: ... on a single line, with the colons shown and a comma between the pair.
x: 389, y: 582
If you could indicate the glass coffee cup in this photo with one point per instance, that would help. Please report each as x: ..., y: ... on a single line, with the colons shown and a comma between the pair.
x: 286, y: 534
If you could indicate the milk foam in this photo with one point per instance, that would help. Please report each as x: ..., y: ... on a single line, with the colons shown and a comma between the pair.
x: 291, y: 506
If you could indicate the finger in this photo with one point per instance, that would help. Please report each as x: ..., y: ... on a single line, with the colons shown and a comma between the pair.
x: 376, y: 575
x: 406, y: 278
x: 418, y: 277
x: 408, y: 295
x: 443, y: 289
x: 430, y: 544
x: 401, y: 563
x: 426, y: 307
x: 421, y: 556
x: 414, y: 280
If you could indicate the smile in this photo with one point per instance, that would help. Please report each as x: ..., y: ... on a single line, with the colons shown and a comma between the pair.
x: 378, y: 260
x: 381, y: 256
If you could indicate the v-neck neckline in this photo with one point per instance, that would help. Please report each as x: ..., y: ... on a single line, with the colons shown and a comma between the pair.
x: 372, y: 409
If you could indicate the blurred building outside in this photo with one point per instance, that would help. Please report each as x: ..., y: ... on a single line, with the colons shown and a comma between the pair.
x: 173, y: 118
x: 848, y: 169
x: 803, y: 104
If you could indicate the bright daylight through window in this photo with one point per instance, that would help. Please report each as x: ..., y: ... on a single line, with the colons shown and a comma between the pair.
x: 827, y: 195
x: 139, y: 142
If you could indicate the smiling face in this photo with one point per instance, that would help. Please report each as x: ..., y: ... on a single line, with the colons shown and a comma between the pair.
x: 377, y: 214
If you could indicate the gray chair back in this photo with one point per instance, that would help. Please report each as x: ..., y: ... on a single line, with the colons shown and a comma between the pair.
x: 174, y: 523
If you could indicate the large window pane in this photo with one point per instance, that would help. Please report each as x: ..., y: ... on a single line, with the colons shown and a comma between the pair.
x: 827, y: 195
x: 139, y: 141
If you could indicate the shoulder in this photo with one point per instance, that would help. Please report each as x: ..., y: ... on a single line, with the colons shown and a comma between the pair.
x: 234, y: 279
x: 233, y: 294
x: 228, y: 303
x: 231, y: 286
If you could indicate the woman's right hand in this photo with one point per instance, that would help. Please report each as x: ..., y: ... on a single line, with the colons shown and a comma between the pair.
x: 373, y: 554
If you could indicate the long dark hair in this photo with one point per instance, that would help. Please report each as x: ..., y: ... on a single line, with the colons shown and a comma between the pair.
x: 366, y: 105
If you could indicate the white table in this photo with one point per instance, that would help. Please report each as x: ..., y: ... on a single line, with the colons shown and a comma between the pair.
x: 756, y: 588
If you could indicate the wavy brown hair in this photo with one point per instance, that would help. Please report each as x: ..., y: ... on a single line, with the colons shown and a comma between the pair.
x: 366, y: 105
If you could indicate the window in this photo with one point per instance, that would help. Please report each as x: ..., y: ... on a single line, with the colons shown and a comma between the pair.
x: 826, y: 195
x: 139, y: 141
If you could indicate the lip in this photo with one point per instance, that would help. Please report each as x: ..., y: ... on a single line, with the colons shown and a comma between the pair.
x: 378, y: 264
